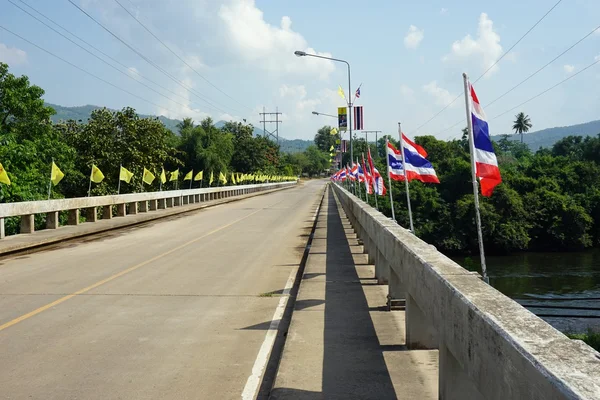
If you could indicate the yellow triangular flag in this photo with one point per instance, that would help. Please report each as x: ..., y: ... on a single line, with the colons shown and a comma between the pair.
x: 222, y: 178
x: 173, y: 176
x: 96, y: 176
x: 148, y: 177
x: 125, y: 174
x: 199, y: 176
x: 331, y: 148
x: 233, y: 179
x: 341, y: 92
x: 4, y: 176
x: 333, y: 131
x: 212, y: 178
x: 188, y: 176
x: 56, y: 174
x: 163, y: 176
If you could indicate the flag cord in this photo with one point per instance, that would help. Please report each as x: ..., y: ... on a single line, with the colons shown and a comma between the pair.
x: 474, y: 179
x: 410, y: 218
x: 50, y: 183
x: 387, y: 159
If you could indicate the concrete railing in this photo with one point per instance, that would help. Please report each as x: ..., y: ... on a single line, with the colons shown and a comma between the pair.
x: 490, y: 347
x: 125, y: 204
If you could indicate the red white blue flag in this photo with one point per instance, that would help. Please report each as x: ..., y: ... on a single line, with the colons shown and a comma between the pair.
x: 486, y: 164
x: 358, y: 118
x: 417, y: 166
x: 357, y: 94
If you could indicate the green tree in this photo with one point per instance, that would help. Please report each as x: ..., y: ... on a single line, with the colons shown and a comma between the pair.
x: 522, y: 124
x: 324, y: 139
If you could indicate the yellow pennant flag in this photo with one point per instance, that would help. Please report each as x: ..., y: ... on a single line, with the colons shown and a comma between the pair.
x: 331, y: 148
x: 188, y: 176
x: 233, y: 179
x: 56, y: 174
x: 163, y: 176
x: 212, y: 178
x: 173, y: 176
x: 148, y: 177
x: 333, y: 131
x: 199, y: 176
x: 341, y: 92
x: 4, y: 176
x: 222, y: 178
x: 96, y: 176
x: 125, y: 174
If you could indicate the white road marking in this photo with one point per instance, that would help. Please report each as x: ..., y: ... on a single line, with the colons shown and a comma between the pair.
x: 253, y: 382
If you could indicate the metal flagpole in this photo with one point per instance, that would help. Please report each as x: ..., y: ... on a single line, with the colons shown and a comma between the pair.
x: 119, y: 184
x: 192, y: 179
x: 366, y: 181
x: 387, y: 158
x: 410, y: 218
x: 474, y: 178
x: 50, y: 183
x: 357, y: 178
x: 90, y: 186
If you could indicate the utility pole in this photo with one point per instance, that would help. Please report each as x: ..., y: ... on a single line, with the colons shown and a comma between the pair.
x: 375, y: 132
x: 264, y: 121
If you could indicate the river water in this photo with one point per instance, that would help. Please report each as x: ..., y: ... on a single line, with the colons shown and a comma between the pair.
x: 562, y: 288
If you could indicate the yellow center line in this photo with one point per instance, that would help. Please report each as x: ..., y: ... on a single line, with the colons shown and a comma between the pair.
x: 119, y: 274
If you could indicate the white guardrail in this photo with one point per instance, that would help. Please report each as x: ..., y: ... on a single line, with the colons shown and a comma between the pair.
x: 125, y: 204
x: 490, y: 347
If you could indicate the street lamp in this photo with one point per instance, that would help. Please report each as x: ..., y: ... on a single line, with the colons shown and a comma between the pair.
x: 327, y: 115
x: 305, y: 54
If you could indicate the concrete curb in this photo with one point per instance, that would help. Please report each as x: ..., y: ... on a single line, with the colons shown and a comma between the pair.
x: 46, y: 237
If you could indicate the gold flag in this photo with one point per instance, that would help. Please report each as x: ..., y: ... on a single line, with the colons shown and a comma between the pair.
x: 125, y: 174
x: 188, y: 176
x: 96, y: 176
x: 233, y: 178
x: 148, y: 177
x: 341, y: 92
x: 56, y: 174
x: 333, y: 131
x: 199, y: 176
x: 222, y: 178
x: 331, y: 148
x: 4, y: 176
x: 163, y: 176
x: 173, y: 176
x: 212, y: 178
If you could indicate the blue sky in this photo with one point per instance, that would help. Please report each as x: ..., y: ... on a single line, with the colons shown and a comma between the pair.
x: 408, y: 55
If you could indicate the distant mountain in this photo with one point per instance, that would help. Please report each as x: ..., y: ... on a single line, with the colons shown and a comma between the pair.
x: 547, y: 137
x: 82, y: 113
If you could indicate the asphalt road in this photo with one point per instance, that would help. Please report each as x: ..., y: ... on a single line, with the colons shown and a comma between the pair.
x: 179, y: 309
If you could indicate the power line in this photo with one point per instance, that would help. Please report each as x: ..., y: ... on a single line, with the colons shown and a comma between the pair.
x: 133, y: 71
x: 94, y: 55
x: 493, y: 65
x: 83, y: 70
x: 549, y: 89
x: 152, y: 63
x: 177, y: 55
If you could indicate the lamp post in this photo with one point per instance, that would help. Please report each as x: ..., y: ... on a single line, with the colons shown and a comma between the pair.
x: 327, y: 115
x: 305, y: 54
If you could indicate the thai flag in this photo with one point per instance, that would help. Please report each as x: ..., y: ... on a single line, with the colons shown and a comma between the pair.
x: 486, y: 164
x: 358, y: 118
x: 368, y: 177
x: 349, y: 174
x: 417, y: 166
x: 394, y: 163
x: 357, y: 94
x: 378, y: 185
x: 342, y: 174
x: 354, y: 171
x: 361, y: 174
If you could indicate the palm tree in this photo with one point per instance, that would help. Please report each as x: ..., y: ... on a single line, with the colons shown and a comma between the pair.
x: 187, y: 123
x: 522, y: 124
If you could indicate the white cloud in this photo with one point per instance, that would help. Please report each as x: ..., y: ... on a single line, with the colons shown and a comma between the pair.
x: 443, y: 11
x: 133, y: 71
x: 597, y: 31
x: 271, y: 47
x: 413, y: 37
x: 442, y: 96
x: 12, y: 55
x: 597, y: 58
x: 292, y: 91
x: 485, y: 49
x: 569, y: 68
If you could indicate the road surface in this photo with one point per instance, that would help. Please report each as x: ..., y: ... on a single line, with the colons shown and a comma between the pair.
x: 178, y: 309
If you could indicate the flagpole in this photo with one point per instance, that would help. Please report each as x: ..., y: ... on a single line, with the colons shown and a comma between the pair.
x: 50, y: 183
x: 119, y: 184
x: 474, y: 178
x: 192, y: 179
x: 367, y: 183
x: 410, y: 218
x: 387, y: 158
x: 90, y: 186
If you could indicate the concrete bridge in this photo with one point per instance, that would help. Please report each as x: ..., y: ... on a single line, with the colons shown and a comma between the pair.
x: 262, y: 291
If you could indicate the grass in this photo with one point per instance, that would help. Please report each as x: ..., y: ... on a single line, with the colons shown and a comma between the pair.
x: 591, y: 338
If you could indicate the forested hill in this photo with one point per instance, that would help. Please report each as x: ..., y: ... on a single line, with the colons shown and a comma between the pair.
x: 82, y: 113
x: 547, y: 137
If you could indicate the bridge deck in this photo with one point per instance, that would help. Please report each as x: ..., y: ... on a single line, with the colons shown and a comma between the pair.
x: 342, y: 343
